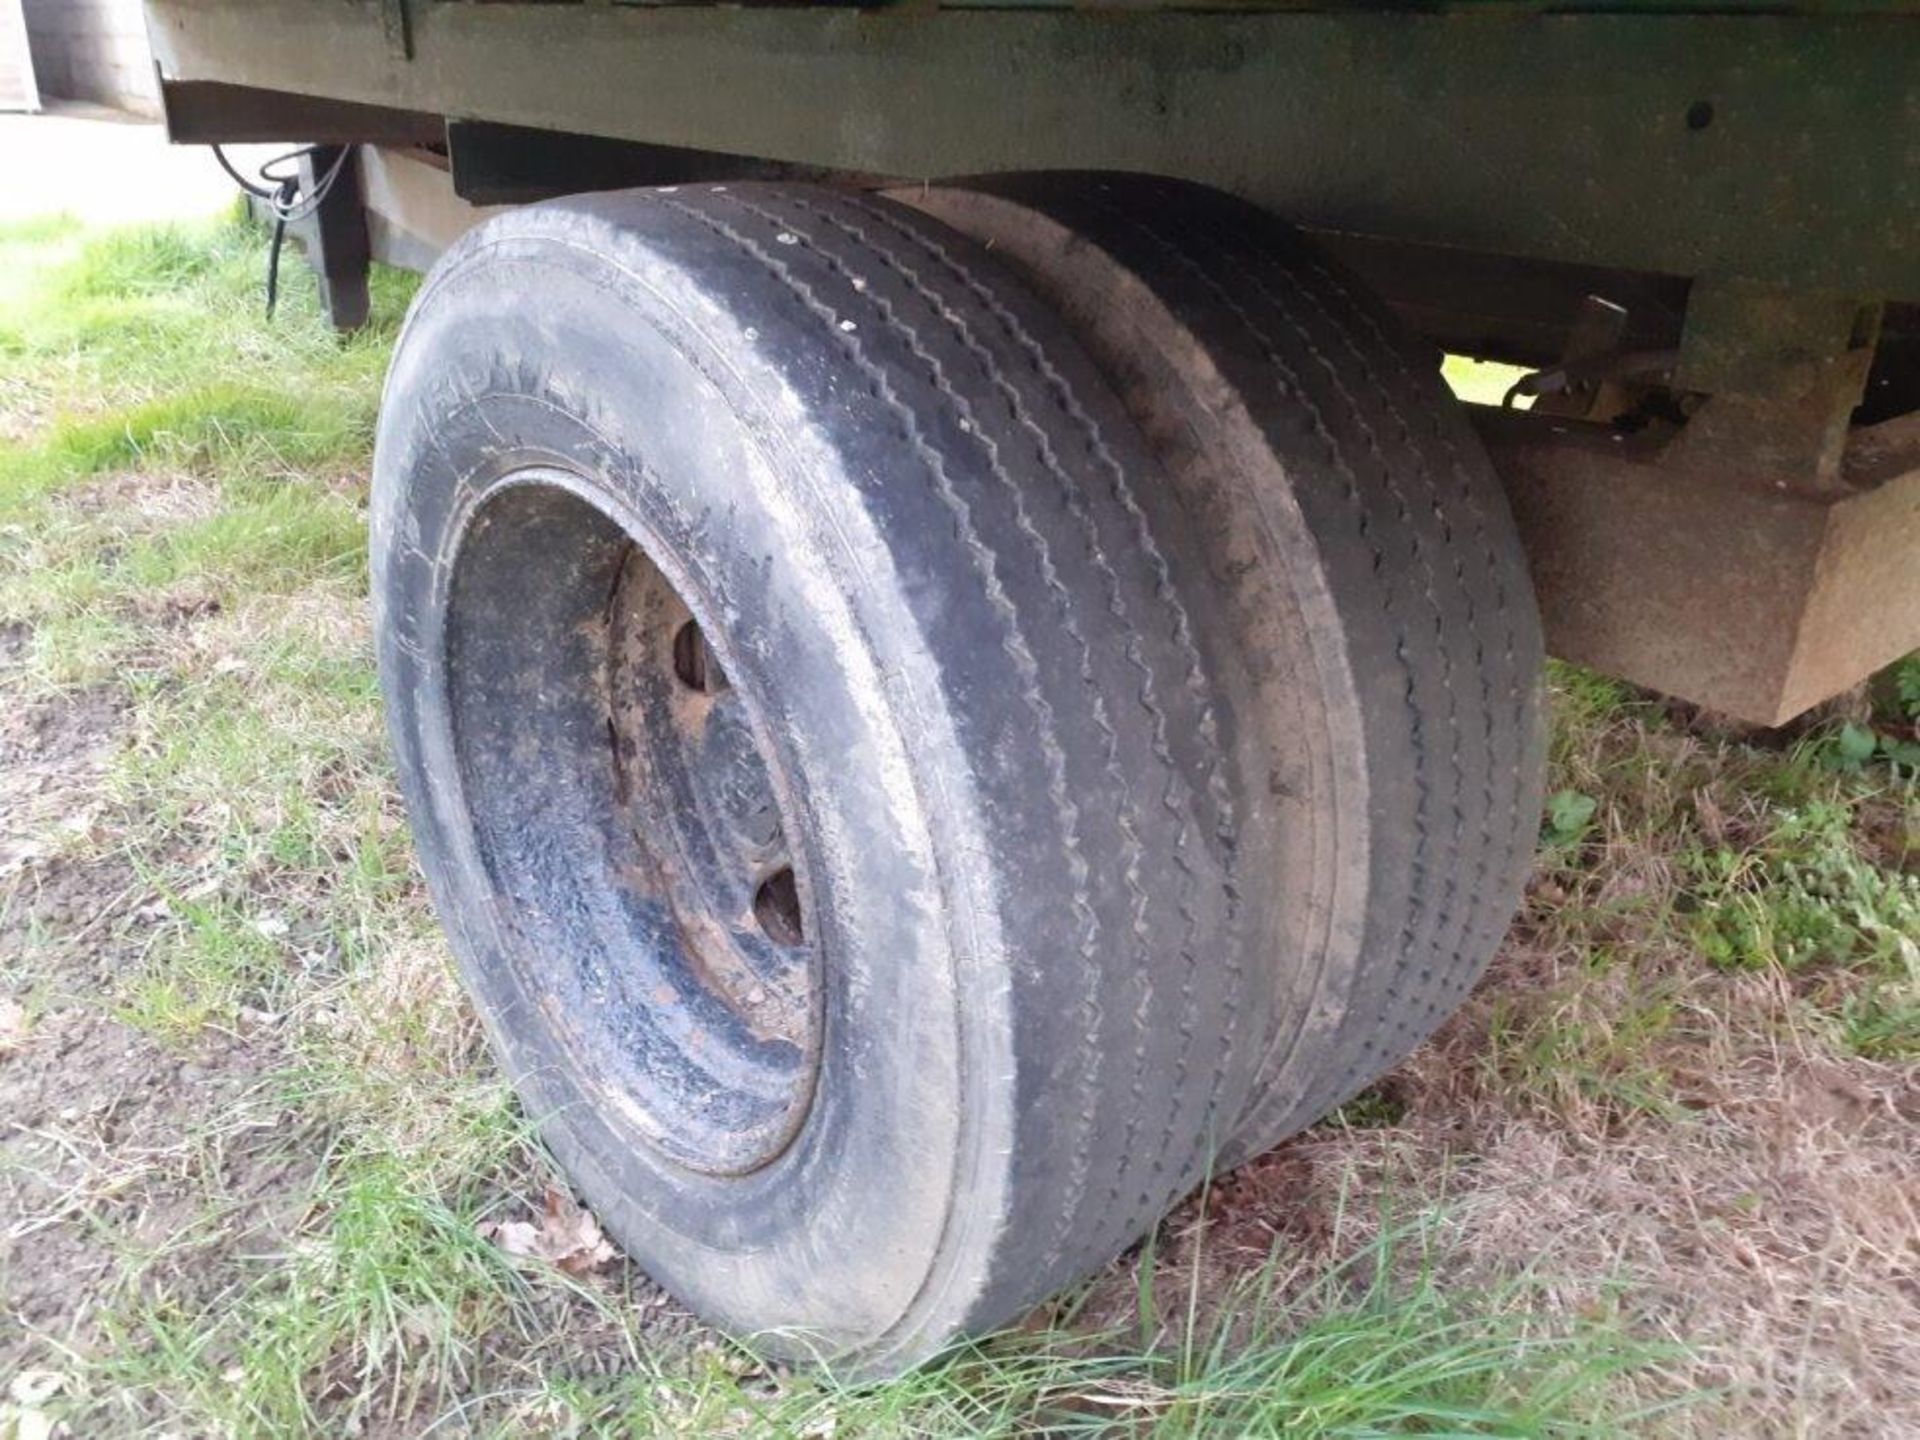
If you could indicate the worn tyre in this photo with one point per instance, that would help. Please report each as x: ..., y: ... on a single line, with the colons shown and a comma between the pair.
x: 815, y: 756
x: 1375, y: 589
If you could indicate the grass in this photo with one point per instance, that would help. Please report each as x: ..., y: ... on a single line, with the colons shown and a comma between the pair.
x: 1482, y: 382
x: 1357, y: 1354
x: 255, y: 1144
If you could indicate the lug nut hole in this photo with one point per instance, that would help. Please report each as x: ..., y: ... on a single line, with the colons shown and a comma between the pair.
x: 776, y: 905
x: 694, y: 663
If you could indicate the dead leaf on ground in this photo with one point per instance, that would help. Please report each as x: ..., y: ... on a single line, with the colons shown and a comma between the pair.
x: 566, y: 1236
x: 29, y: 1390
x: 35, y: 1387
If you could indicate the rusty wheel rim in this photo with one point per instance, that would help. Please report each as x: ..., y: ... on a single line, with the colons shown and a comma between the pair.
x: 662, y: 893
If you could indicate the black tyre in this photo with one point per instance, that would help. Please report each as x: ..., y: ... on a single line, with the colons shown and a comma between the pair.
x: 814, y: 753
x: 1376, y: 591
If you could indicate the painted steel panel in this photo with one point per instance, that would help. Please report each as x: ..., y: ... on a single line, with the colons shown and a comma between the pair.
x: 1770, y: 147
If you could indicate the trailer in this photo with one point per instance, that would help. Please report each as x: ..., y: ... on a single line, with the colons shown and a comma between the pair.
x: 955, y: 665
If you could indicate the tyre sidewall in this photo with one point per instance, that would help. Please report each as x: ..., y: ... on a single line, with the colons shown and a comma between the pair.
x: 774, y: 570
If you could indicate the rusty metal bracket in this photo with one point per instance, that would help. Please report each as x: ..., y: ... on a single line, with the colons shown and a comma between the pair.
x: 1657, y: 562
x: 1783, y: 372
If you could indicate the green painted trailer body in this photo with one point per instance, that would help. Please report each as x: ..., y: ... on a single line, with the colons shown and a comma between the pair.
x: 1690, y: 141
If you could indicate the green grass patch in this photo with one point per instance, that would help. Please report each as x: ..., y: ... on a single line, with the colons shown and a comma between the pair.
x: 1578, y: 1058
x: 141, y: 360
x: 392, y: 1298
x: 273, y: 544
x: 127, y: 346
x: 35, y: 233
x: 1804, y: 897
x: 227, y: 428
x: 153, y: 260
x: 1900, y: 694
x: 1691, y: 852
x: 1375, y: 1108
x: 212, y: 957
x: 1376, y: 1346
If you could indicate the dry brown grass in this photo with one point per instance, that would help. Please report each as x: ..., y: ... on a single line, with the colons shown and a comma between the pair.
x: 1692, y: 1146
x: 1695, y: 1142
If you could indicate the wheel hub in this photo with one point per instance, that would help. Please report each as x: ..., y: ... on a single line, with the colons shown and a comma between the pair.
x: 705, y: 811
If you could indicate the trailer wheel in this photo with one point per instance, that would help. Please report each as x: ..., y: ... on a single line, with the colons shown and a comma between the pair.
x: 1377, y: 592
x: 814, y: 755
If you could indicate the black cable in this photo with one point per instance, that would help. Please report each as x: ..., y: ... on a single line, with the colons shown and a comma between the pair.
x: 245, y: 184
x: 280, y: 190
x: 273, y: 264
x: 280, y: 187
